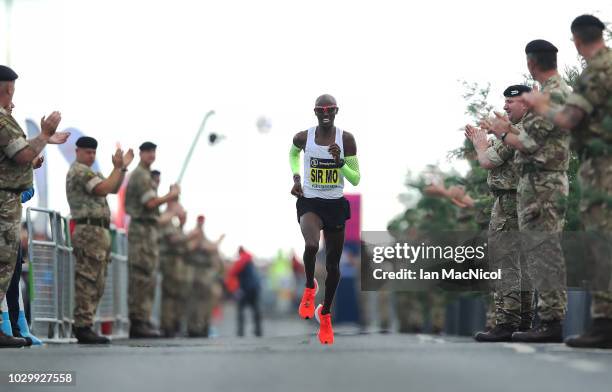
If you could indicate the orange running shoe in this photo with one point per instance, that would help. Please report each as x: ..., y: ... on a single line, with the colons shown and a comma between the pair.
x: 306, y: 309
x: 326, y: 332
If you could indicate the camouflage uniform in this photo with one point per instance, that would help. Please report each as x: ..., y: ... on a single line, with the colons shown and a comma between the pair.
x: 513, y: 301
x: 172, y: 251
x: 413, y: 308
x: 477, y: 220
x: 593, y: 94
x: 14, y: 179
x: 91, y: 241
x: 143, y: 246
x: 542, y: 197
x: 204, y: 268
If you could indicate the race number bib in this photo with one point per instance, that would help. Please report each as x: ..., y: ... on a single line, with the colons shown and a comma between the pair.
x: 324, y: 173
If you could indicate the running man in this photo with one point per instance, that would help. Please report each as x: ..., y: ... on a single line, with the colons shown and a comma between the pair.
x: 330, y: 155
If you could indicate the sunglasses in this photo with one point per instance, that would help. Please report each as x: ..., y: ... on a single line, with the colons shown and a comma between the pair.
x: 333, y: 109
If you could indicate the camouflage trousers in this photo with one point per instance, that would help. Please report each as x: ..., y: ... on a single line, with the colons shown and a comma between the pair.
x: 513, y: 297
x: 412, y: 308
x: 542, y: 203
x: 383, y: 304
x: 91, y: 247
x: 175, y: 292
x: 595, y: 176
x: 143, y: 254
x: 203, y: 298
x: 10, y: 216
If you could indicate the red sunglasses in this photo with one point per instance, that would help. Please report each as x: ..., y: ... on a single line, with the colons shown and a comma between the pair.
x: 333, y: 109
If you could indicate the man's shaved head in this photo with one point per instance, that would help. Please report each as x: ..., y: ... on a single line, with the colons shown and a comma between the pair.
x: 326, y: 100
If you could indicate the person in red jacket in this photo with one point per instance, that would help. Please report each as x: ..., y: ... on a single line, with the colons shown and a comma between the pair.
x: 247, y: 290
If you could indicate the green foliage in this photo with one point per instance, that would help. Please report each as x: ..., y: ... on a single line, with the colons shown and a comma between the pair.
x: 433, y: 213
x: 476, y: 98
x: 571, y: 73
x: 478, y: 107
x: 572, y: 217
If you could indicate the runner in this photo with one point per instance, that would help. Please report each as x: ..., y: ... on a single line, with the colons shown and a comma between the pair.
x: 330, y: 155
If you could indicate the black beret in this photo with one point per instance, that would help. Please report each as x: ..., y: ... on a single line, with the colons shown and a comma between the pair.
x: 516, y: 90
x: 540, y: 46
x: 587, y: 20
x: 147, y: 146
x: 87, y: 142
x: 7, y: 74
x: 155, y: 173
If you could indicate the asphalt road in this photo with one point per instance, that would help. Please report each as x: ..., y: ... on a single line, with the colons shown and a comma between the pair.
x: 293, y: 360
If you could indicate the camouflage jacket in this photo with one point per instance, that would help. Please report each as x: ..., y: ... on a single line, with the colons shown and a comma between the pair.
x: 172, y: 240
x: 593, y: 94
x: 12, y: 140
x: 139, y: 191
x: 504, y: 176
x: 547, y: 145
x: 80, y: 182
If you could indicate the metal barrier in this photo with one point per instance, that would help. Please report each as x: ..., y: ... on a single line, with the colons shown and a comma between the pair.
x: 52, y: 267
x: 113, y: 304
x: 120, y: 283
x: 52, y: 264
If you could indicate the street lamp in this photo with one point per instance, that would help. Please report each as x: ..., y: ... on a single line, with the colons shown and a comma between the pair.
x: 193, y: 144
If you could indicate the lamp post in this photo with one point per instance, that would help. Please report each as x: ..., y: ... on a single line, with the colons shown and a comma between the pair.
x: 8, y: 8
x: 193, y: 144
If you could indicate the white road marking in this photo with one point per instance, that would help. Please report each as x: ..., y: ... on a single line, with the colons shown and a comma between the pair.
x: 586, y: 366
x: 521, y: 348
x: 583, y: 365
x: 429, y: 339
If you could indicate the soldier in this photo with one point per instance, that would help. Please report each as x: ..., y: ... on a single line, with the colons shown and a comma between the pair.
x: 513, y: 306
x: 156, y: 178
x: 543, y: 158
x: 142, y: 204
x: 174, y: 248
x: 86, y: 191
x: 205, y: 266
x: 16, y: 312
x: 588, y: 113
x: 16, y: 159
x: 439, y: 214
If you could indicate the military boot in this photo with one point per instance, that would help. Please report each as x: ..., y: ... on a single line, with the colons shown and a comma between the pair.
x: 10, y: 342
x: 545, y: 332
x: 410, y: 329
x: 599, y: 335
x: 85, y: 335
x: 499, y: 333
x: 525, y: 325
x: 28, y: 340
x: 168, y: 333
x: 140, y: 330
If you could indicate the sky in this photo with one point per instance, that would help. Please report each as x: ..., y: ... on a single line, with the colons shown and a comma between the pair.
x: 129, y: 71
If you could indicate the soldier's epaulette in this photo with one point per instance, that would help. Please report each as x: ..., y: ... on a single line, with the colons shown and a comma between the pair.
x: 3, y: 120
x: 4, y: 137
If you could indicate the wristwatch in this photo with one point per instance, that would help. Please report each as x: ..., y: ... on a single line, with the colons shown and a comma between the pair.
x: 503, y: 136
